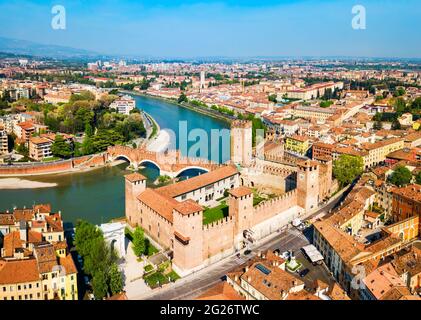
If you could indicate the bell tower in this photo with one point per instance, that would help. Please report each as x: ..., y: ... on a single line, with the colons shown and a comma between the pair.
x: 308, y: 184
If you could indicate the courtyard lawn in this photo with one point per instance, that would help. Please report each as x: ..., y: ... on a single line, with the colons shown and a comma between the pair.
x: 173, y: 276
x: 156, y: 279
x: 213, y: 214
x: 150, y: 249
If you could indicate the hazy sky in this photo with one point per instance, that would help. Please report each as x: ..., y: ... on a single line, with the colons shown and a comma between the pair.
x: 190, y: 28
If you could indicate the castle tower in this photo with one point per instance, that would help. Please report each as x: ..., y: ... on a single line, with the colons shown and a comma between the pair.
x: 135, y: 184
x: 325, y: 176
x: 308, y: 184
x: 188, y: 237
x: 240, y: 206
x: 241, y: 142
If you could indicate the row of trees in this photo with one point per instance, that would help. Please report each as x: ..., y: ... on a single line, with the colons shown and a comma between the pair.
x: 99, y: 260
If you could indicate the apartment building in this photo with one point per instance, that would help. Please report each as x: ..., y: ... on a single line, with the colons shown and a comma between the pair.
x: 124, y: 105
x: 35, y: 262
x: 3, y: 140
x: 40, y: 147
x: 297, y: 144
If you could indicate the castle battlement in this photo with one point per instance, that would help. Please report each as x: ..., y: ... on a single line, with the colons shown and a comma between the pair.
x: 218, y: 223
x: 284, y: 199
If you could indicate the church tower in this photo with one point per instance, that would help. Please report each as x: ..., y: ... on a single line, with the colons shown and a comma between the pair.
x: 135, y: 184
x: 241, y: 142
x: 308, y: 184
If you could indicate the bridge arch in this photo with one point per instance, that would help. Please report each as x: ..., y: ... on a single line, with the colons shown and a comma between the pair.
x: 144, y: 161
x: 179, y: 172
x: 123, y: 157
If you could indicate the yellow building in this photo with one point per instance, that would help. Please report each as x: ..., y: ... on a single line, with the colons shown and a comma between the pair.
x: 297, y: 144
x: 49, y: 274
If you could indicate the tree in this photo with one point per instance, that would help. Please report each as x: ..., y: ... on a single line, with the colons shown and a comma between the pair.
x: 116, y: 279
x: 182, y: 98
x: 99, y: 285
x: 60, y: 148
x: 400, y: 106
x: 377, y: 125
x: 418, y: 178
x: 272, y: 98
x: 139, y: 245
x: 85, y: 235
x: 401, y: 176
x: 396, y: 125
x: 347, y: 168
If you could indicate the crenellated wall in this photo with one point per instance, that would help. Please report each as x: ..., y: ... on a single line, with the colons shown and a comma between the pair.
x: 270, y: 208
x: 218, y: 238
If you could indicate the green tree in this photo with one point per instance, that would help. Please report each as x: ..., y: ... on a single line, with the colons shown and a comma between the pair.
x: 139, y: 245
x: 377, y: 125
x: 182, y: 98
x: 272, y: 98
x: 418, y: 178
x: 85, y: 235
x: 401, y: 176
x: 347, y: 168
x: 99, y: 285
x: 116, y: 279
x: 396, y: 125
x: 400, y: 106
x: 60, y: 148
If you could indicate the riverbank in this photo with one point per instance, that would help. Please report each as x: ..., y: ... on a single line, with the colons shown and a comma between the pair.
x: 160, y: 143
x: 59, y: 168
x: 206, y: 112
x: 16, y: 183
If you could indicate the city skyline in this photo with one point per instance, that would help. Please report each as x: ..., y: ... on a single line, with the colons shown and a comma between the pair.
x: 187, y: 29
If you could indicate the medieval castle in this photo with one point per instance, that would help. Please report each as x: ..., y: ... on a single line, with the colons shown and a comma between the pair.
x: 173, y: 215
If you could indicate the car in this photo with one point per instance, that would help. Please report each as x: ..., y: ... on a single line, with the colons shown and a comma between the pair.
x: 304, y: 272
x: 91, y: 296
x: 247, y: 252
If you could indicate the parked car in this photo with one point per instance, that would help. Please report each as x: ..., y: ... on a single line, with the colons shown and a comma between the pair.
x: 304, y: 272
x: 247, y: 252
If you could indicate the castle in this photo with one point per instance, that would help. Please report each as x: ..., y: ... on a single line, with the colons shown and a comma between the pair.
x: 173, y: 215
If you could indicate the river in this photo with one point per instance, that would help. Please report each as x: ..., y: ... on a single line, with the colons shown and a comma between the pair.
x: 98, y: 195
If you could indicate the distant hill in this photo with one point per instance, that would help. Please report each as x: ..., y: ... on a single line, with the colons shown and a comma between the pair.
x: 23, y: 47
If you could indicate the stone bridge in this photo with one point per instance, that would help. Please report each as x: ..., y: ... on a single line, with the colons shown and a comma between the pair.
x: 170, y: 163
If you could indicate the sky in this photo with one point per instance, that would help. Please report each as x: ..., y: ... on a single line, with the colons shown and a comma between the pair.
x: 230, y: 28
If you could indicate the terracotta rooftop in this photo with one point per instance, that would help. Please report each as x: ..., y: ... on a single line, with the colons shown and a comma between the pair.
x: 240, y: 192
x: 134, y: 177
x: 158, y: 203
x: 412, y: 192
x: 18, y: 271
x: 221, y: 291
x: 188, y: 207
x: 186, y: 186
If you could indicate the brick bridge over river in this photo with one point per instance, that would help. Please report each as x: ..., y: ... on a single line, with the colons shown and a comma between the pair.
x: 170, y: 163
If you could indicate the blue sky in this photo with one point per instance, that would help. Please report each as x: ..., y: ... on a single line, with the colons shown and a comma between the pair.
x: 189, y: 28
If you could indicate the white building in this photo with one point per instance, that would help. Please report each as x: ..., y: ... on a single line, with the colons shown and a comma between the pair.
x: 124, y: 105
x: 114, y: 235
